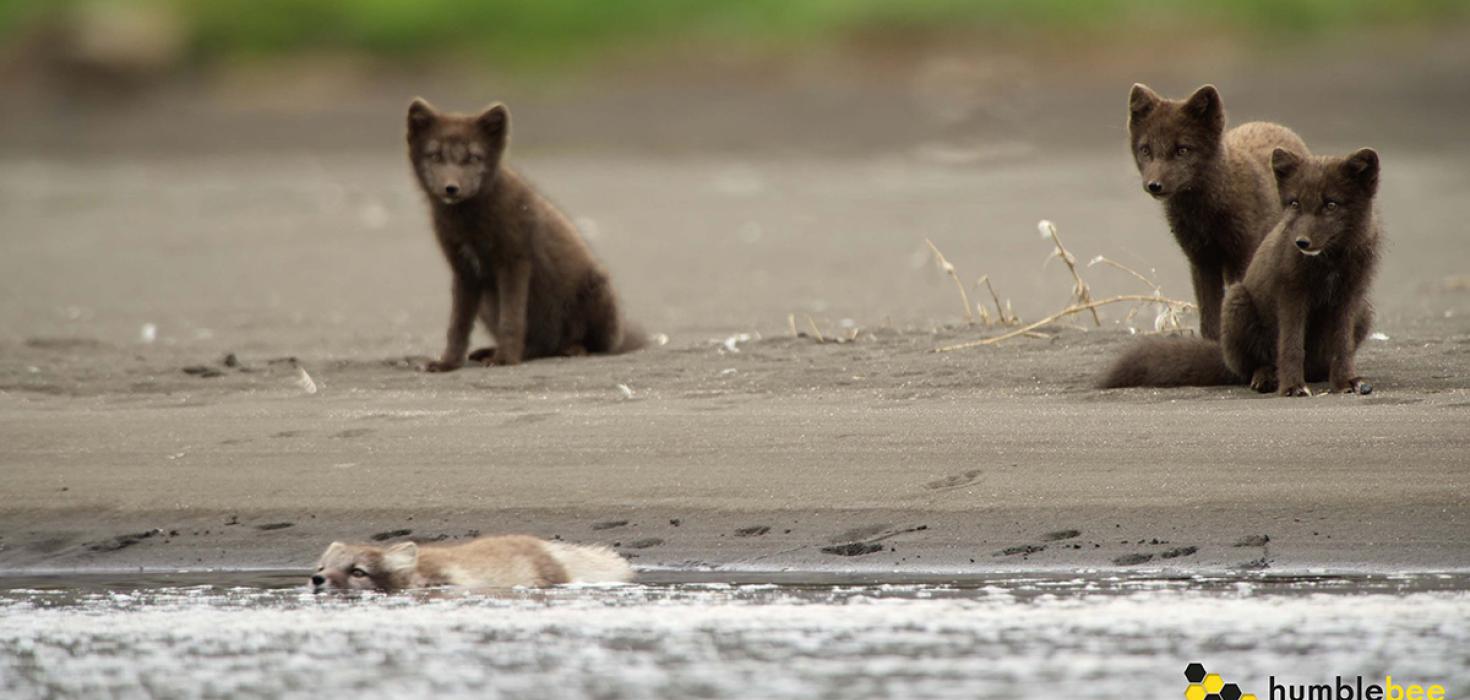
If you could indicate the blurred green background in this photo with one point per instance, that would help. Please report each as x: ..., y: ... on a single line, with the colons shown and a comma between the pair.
x: 556, y: 32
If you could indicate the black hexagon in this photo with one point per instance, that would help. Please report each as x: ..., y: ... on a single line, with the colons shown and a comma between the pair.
x: 1231, y: 691
x: 1195, y: 672
x: 1213, y: 696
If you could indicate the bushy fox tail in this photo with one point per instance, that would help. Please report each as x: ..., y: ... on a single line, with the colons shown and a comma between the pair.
x: 591, y: 563
x: 1170, y: 362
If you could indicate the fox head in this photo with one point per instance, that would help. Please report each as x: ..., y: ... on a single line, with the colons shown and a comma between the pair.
x: 1323, y: 199
x: 1174, y: 141
x: 354, y: 567
x: 455, y: 156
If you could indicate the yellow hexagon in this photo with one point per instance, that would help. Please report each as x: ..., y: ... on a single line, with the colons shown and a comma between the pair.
x: 1213, y: 683
x: 1247, y: 696
x: 1195, y: 691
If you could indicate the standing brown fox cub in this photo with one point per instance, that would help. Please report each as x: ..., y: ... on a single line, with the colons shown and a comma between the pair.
x: 487, y: 562
x: 517, y: 263
x: 1302, y: 310
x: 1216, y: 185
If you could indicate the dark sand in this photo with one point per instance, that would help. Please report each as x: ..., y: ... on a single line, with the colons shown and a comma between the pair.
x: 873, y: 455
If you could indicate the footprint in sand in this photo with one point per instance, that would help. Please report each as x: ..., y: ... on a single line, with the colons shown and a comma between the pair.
x: 853, y: 549
x: 953, y: 480
x: 1179, y: 552
x: 1060, y: 535
x: 353, y: 433
x: 1133, y: 559
x: 644, y: 543
x: 1022, y: 549
x: 609, y: 524
x: 753, y: 531
x: 391, y: 534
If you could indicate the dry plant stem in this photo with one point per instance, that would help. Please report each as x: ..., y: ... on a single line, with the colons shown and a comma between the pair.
x: 1106, y: 261
x: 949, y: 270
x: 1006, y: 319
x: 815, y: 331
x: 791, y: 321
x: 1084, y: 295
x: 1073, y: 309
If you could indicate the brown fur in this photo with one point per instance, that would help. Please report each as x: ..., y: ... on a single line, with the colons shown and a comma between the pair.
x: 502, y: 562
x: 1170, y: 362
x: 1295, y: 318
x: 1218, y: 193
x: 517, y: 262
x: 1303, y: 309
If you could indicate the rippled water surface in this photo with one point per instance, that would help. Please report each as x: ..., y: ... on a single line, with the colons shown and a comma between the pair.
x: 1014, y: 637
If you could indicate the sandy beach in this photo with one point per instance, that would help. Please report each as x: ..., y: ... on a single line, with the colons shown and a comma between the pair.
x: 129, y: 273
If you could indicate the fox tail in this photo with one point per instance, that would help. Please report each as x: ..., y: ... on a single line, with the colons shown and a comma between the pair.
x: 591, y: 563
x: 1170, y: 362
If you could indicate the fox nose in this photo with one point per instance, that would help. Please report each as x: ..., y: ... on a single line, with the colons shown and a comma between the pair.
x: 1303, y: 243
x: 1154, y: 187
x: 451, y: 190
x: 318, y: 580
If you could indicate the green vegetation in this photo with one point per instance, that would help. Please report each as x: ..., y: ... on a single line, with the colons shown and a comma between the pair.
x: 551, y: 31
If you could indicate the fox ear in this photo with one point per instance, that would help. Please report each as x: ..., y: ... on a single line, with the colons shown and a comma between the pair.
x: 421, y: 115
x: 495, y: 120
x: 1362, y: 167
x: 1205, y: 106
x: 401, y: 556
x: 1284, y: 163
x: 1141, y: 101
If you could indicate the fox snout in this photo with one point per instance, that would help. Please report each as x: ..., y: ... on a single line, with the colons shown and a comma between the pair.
x: 318, y: 580
x: 1154, y: 187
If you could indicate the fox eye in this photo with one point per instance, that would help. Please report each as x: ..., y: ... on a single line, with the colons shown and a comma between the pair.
x: 1330, y: 206
x: 1144, y: 151
x: 435, y: 157
x: 1181, y: 151
x: 474, y: 158
x: 1294, y: 203
x: 358, y: 573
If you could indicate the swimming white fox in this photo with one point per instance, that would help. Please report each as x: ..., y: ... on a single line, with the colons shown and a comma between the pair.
x: 487, y: 562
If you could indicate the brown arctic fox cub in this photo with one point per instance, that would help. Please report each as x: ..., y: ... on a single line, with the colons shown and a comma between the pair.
x: 1216, y: 185
x: 488, y: 562
x: 517, y: 263
x: 1302, y: 310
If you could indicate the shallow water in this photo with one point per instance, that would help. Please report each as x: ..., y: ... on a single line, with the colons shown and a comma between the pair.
x: 797, y: 637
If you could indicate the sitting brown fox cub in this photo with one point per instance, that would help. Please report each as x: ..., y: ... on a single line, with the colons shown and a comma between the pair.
x: 487, y: 562
x: 1215, y: 185
x: 518, y: 263
x: 1302, y: 310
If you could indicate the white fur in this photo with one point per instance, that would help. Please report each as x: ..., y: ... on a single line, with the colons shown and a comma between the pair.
x: 591, y: 564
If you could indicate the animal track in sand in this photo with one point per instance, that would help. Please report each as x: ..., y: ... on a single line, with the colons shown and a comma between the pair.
x: 753, y: 531
x: 954, y: 480
x: 644, y: 543
x: 1059, y: 535
x: 1022, y: 549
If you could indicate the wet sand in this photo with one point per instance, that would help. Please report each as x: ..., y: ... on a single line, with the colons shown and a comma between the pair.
x: 736, y: 445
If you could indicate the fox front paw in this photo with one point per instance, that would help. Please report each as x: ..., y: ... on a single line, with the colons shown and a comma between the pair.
x: 502, y: 360
x: 483, y: 355
x: 1264, y: 380
x: 1355, y: 385
x: 442, y: 366
x: 1295, y: 390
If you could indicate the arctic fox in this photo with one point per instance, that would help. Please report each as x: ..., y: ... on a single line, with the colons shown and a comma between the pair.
x: 487, y: 562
